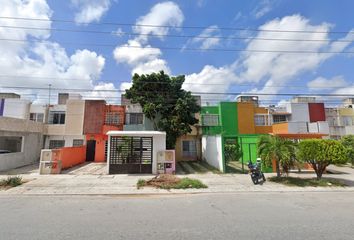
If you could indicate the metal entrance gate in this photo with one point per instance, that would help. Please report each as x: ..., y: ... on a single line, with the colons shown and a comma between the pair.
x: 130, y: 155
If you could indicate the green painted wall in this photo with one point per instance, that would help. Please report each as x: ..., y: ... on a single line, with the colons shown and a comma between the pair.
x: 228, y: 118
x: 211, y: 130
x: 228, y: 113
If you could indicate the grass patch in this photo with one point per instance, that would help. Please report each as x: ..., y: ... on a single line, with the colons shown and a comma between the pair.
x: 166, y: 181
x: 307, y: 182
x: 141, y: 183
x: 10, y: 182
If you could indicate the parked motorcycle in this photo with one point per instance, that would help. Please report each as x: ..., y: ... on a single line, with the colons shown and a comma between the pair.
x: 256, y: 173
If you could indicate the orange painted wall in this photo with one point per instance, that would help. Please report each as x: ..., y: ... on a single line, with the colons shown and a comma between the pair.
x: 245, y: 113
x: 100, y: 145
x: 70, y: 156
x: 263, y: 129
x: 280, y: 128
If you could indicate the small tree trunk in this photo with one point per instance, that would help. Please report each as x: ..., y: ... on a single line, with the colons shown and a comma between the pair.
x: 277, y: 168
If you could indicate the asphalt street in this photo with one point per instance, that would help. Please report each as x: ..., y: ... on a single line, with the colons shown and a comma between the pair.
x: 320, y: 215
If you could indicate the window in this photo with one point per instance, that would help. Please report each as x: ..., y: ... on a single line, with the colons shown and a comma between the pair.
x: 210, y: 120
x: 78, y: 142
x: 134, y: 118
x: 347, y: 120
x: 279, y: 118
x: 54, y: 144
x: 105, y: 149
x: 261, y: 120
x: 112, y: 118
x: 57, y: 118
x: 9, y: 144
x: 37, y: 117
x: 189, y: 148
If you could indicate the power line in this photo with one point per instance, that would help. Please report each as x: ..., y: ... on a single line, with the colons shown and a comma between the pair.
x: 200, y: 49
x: 176, y: 36
x: 195, y: 93
x: 175, y: 27
x: 153, y: 82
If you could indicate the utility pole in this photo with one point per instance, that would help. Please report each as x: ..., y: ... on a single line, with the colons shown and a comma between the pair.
x: 49, y: 91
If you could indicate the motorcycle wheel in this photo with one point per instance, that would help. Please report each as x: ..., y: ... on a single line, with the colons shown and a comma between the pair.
x: 255, y: 180
x: 264, y: 179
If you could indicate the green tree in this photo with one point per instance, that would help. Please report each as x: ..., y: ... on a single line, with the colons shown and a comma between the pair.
x: 320, y: 153
x: 348, y: 143
x: 232, y: 152
x: 280, y: 150
x: 165, y: 103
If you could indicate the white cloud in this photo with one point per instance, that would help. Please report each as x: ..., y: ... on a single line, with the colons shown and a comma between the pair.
x: 321, y: 83
x: 90, y: 10
x: 105, y: 91
x: 278, y: 68
x: 264, y: 7
x: 44, y: 62
x: 201, y: 3
x: 137, y: 53
x: 274, y: 69
x: 162, y: 14
x: 211, y: 79
x: 207, y: 39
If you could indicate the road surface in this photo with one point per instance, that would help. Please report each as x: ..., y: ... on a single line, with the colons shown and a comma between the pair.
x: 321, y: 215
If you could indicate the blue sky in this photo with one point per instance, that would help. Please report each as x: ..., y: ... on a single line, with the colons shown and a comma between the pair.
x: 98, y: 67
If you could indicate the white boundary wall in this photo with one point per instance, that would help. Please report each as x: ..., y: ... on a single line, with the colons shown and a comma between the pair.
x: 212, y: 151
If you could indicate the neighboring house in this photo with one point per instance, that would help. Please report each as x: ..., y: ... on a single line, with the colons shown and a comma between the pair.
x: 98, y: 120
x: 21, y: 142
x: 64, y: 126
x: 244, y: 121
x: 341, y: 119
x: 187, y: 148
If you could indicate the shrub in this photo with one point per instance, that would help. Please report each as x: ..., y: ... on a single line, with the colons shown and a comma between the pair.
x: 11, y: 182
x: 320, y: 153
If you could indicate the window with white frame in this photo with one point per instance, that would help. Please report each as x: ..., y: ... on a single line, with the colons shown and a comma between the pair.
x: 261, y: 120
x: 189, y: 148
x: 78, y: 142
x: 10, y: 144
x: 134, y: 118
x: 210, y: 120
x: 112, y: 118
x: 279, y: 118
x: 37, y: 117
x: 56, y: 117
x: 54, y: 144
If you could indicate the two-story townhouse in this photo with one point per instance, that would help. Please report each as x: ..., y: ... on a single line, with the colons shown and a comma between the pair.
x: 187, y: 147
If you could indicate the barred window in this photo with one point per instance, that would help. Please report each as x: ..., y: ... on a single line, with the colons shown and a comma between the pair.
x: 134, y: 118
x: 54, y: 144
x: 78, y: 142
x: 261, y: 120
x: 210, y: 120
x: 279, y: 118
x: 112, y: 118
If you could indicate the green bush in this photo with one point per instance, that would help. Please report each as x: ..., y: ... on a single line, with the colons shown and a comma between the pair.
x: 320, y: 153
x: 348, y: 143
x: 141, y: 183
x: 11, y: 182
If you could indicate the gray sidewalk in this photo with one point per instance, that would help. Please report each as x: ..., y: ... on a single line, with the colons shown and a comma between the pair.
x: 66, y: 184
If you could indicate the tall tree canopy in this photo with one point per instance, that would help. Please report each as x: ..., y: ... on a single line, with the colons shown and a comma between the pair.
x: 165, y: 103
